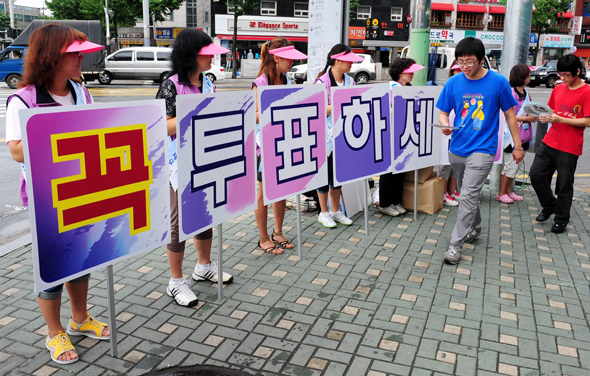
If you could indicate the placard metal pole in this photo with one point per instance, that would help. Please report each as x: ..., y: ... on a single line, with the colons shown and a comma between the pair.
x: 299, y: 251
x: 366, y: 206
x: 112, y: 313
x: 219, y: 262
x: 415, y: 194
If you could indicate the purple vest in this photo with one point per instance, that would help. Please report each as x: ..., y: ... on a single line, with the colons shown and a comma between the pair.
x: 32, y: 99
x: 325, y: 78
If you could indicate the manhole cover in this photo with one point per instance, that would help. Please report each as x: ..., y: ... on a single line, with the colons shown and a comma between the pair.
x: 197, y: 371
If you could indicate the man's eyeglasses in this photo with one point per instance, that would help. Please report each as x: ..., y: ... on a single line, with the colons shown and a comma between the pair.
x: 466, y: 63
x: 565, y: 75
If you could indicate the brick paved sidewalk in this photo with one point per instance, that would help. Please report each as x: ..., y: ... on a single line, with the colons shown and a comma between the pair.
x: 385, y: 304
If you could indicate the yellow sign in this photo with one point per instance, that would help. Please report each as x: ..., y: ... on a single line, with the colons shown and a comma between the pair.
x: 375, y: 22
x: 177, y: 30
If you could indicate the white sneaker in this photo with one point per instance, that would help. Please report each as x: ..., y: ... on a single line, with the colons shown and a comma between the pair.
x: 327, y: 220
x: 182, y: 293
x: 341, y: 218
x: 390, y: 210
x: 400, y: 208
x: 456, y: 196
x: 209, y: 273
x: 449, y: 200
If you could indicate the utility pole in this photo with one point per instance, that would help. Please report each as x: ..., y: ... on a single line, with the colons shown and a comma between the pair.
x: 10, y: 6
x: 420, y: 37
x: 515, y: 48
x: 108, y: 22
x: 146, y: 23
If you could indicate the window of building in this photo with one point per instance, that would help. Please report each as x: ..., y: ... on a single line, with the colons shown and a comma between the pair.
x: 191, y: 13
x: 469, y: 19
x: 268, y: 8
x: 396, y: 14
x: 497, y: 22
x: 363, y: 12
x: 163, y: 56
x: 206, y: 16
x: 301, y: 9
x: 230, y: 7
x: 144, y: 56
x: 564, y: 25
x: 440, y: 18
x: 171, y: 15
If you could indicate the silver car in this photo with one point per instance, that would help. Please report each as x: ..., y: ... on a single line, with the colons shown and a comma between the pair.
x: 144, y: 63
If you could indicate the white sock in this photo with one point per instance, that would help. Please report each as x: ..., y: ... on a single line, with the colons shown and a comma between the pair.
x: 204, y: 266
x: 176, y: 280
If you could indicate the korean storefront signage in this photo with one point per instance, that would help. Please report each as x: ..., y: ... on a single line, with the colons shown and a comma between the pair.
x: 164, y: 32
x: 249, y: 25
x: 356, y: 32
x: 577, y: 26
x: 558, y: 41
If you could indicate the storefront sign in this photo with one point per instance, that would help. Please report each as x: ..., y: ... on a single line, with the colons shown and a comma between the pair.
x: 585, y: 36
x: 452, y: 36
x: 558, y: 41
x: 533, y: 38
x: 356, y: 32
x: 134, y: 41
x: 177, y: 30
x: 249, y: 25
x: 164, y: 32
x: 488, y: 37
x: 577, y: 26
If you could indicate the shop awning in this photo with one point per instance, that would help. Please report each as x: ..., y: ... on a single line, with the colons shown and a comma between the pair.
x: 442, y: 6
x: 471, y: 8
x: 566, y: 15
x: 260, y: 37
x: 498, y: 10
x: 582, y: 52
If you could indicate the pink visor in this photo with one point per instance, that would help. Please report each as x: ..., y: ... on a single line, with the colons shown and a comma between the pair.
x: 414, y: 68
x: 288, y: 52
x: 84, y: 47
x: 456, y: 66
x: 532, y: 67
x: 213, y: 49
x: 348, y: 56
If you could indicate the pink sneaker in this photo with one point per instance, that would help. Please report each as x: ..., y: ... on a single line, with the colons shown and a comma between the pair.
x: 515, y: 197
x: 505, y: 199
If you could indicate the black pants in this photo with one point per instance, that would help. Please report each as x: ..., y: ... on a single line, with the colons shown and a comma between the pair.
x: 547, y: 161
x: 391, y: 188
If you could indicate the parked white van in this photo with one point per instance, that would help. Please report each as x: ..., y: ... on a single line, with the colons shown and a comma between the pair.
x: 145, y: 63
x: 444, y: 58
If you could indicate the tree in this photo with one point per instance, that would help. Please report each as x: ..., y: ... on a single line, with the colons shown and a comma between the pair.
x: 4, y: 21
x: 240, y: 8
x: 544, y: 19
x: 352, y: 9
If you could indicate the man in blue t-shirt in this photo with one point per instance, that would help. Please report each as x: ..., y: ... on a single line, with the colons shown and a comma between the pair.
x: 476, y: 96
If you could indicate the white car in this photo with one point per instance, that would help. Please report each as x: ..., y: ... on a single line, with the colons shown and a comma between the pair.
x: 216, y: 73
x: 361, y: 72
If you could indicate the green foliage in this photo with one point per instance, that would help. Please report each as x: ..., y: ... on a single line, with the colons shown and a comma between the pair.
x: 353, y: 5
x: 545, y: 18
x: 242, y: 7
x: 4, y: 21
x: 126, y: 11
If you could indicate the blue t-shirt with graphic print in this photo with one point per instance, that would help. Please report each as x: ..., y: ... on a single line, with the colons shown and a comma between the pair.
x: 477, y: 105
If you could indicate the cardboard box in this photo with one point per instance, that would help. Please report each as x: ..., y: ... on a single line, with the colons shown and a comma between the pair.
x: 430, y: 195
x: 423, y: 174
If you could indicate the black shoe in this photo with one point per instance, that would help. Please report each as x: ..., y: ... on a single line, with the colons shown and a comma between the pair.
x: 543, y: 216
x: 558, y: 228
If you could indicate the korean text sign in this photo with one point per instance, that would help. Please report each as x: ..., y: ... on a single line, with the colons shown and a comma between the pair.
x: 416, y: 144
x: 362, y: 132
x: 216, y: 159
x: 97, y: 179
x: 293, y: 140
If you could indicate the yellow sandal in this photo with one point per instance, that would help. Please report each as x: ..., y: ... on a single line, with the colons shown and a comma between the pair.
x: 90, y: 328
x: 60, y: 344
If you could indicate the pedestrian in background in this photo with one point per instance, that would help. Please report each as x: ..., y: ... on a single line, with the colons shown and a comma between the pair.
x: 451, y: 195
x: 391, y: 186
x: 476, y: 96
x: 563, y: 143
x: 276, y: 60
x: 192, y: 53
x: 53, y: 67
x: 338, y: 63
x: 520, y: 76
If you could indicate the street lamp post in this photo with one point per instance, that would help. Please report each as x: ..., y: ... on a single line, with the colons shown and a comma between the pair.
x: 108, y: 22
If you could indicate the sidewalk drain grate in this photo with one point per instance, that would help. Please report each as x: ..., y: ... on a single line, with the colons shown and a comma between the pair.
x: 197, y: 371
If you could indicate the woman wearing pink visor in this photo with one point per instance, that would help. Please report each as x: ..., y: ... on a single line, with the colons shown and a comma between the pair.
x: 53, y: 65
x: 191, y: 56
x: 339, y: 61
x: 391, y: 186
x: 277, y: 59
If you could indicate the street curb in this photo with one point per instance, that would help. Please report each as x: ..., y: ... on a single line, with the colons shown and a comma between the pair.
x: 15, y: 244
